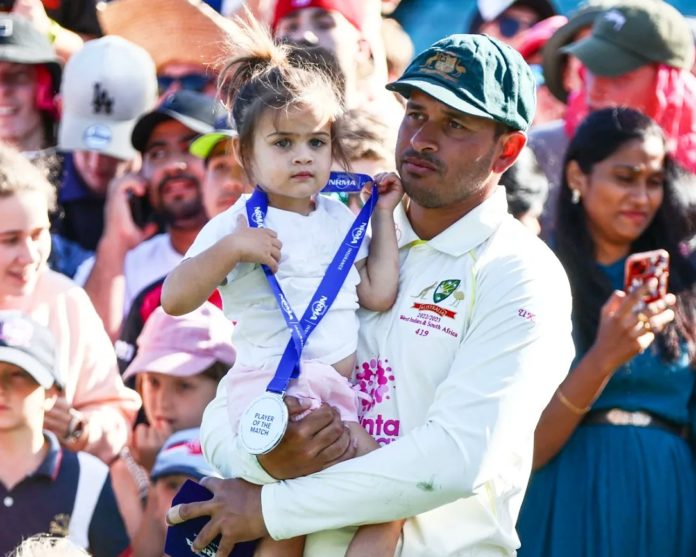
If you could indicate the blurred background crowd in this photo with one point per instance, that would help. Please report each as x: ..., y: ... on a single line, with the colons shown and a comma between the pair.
x: 114, y: 153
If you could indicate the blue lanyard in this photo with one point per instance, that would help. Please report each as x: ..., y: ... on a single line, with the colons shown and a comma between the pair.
x: 288, y: 368
x: 344, y: 182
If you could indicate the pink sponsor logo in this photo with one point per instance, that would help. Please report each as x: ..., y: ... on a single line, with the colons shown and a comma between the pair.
x: 384, y: 430
x: 372, y: 378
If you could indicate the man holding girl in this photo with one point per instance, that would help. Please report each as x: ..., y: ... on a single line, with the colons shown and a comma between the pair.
x: 459, y: 367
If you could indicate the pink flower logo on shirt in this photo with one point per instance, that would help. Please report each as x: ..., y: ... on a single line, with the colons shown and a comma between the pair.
x: 372, y: 380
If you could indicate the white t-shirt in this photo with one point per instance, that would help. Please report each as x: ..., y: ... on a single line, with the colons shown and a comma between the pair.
x: 144, y: 264
x: 309, y: 244
x: 458, y: 372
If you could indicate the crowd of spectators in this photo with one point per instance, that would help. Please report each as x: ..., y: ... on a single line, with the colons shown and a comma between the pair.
x: 119, y: 144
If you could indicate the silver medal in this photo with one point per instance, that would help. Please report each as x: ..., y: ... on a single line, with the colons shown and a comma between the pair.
x: 263, y: 423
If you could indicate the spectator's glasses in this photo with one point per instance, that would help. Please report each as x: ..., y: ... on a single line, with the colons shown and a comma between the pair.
x: 191, y: 82
x: 538, y: 73
x: 509, y: 26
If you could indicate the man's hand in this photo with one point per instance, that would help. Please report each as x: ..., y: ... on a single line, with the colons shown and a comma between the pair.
x: 119, y: 226
x: 63, y: 420
x: 311, y: 444
x: 234, y: 511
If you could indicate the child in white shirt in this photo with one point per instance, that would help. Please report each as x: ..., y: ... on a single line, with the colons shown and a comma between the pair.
x: 286, y: 113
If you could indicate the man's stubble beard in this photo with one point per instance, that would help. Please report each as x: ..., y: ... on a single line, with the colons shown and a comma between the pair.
x: 473, y: 179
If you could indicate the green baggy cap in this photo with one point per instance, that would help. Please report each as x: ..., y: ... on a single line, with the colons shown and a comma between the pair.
x: 635, y: 33
x: 476, y: 75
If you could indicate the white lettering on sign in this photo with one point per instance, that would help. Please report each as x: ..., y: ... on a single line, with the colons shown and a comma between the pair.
x: 341, y: 183
x: 208, y: 551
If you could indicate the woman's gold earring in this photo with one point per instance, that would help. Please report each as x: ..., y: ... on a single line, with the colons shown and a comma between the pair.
x: 575, y: 196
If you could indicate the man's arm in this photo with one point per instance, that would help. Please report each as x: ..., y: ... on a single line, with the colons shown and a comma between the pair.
x: 504, y: 374
x: 106, y: 283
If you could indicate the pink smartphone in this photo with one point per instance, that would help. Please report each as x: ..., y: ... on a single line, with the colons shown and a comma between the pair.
x: 641, y: 267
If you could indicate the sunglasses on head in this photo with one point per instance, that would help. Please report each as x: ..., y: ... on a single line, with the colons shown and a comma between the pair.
x: 509, y: 26
x: 191, y: 82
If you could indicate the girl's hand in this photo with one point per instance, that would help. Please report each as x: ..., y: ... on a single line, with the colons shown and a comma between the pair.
x: 147, y: 441
x: 390, y: 191
x: 255, y: 245
x: 624, y: 332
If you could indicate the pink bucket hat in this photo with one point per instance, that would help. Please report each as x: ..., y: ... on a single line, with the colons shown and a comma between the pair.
x: 184, y: 345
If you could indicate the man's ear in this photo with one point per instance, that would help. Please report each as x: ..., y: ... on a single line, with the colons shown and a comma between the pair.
x: 511, y: 145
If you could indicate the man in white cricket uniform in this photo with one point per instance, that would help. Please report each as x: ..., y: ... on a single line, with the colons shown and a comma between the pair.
x: 457, y: 372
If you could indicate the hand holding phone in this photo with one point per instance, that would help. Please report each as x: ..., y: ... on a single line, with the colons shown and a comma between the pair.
x: 140, y: 209
x: 644, y: 266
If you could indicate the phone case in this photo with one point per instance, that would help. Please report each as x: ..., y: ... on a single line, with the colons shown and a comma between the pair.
x: 641, y: 267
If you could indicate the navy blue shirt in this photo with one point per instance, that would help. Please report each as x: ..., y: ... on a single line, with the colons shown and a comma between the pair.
x: 43, y: 502
x: 82, y: 219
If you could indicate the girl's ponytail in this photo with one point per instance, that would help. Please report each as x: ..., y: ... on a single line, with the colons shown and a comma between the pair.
x: 262, y: 74
x: 254, y: 54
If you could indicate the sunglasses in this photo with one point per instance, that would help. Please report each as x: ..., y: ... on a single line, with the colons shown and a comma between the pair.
x: 509, y: 26
x: 191, y: 82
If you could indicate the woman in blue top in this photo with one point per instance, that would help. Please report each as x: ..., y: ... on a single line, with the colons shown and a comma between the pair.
x: 614, y: 470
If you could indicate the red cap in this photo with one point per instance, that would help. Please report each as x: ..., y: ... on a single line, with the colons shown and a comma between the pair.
x: 352, y: 10
x: 536, y: 36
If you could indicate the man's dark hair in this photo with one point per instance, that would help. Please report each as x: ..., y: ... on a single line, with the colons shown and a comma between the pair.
x: 526, y: 185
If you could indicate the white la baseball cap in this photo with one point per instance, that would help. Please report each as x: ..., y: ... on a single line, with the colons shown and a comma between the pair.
x: 107, y: 85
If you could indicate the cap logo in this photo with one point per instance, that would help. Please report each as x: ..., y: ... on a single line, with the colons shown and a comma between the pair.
x: 97, y: 136
x: 447, y: 65
x: 300, y: 3
x: 101, y: 101
x: 617, y: 19
x: 6, y: 27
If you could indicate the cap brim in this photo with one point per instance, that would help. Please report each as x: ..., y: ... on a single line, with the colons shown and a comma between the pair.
x: 91, y: 134
x: 554, y: 58
x: 179, y: 364
x: 203, y: 146
x: 23, y: 55
x: 143, y: 128
x: 604, y: 58
x: 32, y: 366
x: 18, y: 55
x: 178, y: 469
x: 405, y: 87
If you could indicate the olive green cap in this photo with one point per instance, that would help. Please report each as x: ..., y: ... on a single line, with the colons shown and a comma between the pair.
x: 635, y: 33
x: 476, y: 75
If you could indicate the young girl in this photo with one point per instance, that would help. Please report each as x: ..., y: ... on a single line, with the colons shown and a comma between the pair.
x: 286, y: 114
